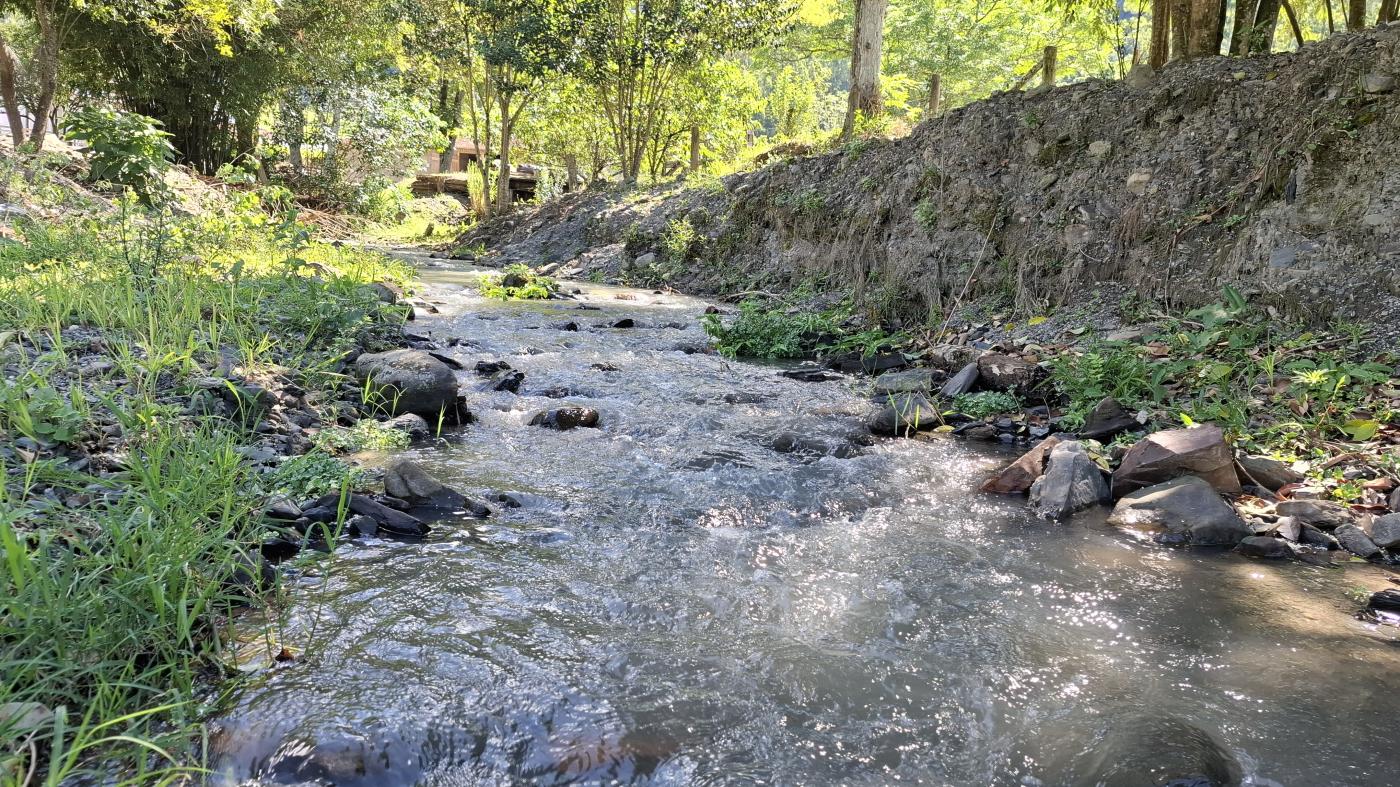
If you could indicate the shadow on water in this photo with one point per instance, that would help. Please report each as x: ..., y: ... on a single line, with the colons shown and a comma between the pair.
x: 677, y: 602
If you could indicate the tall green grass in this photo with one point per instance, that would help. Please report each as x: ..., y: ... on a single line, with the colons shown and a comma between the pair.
x: 115, y: 592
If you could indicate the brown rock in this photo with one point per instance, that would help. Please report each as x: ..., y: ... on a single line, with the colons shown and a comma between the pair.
x: 1017, y: 477
x: 1007, y: 372
x: 1200, y: 451
x: 1268, y: 473
x: 1108, y: 419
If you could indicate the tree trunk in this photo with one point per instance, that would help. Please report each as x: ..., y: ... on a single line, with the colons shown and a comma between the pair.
x: 1181, y: 22
x: 867, y: 41
x: 454, y: 118
x: 8, y: 66
x: 1293, y: 22
x: 1389, y: 11
x: 1047, y: 73
x: 1244, y: 22
x: 1261, y: 36
x: 1203, y: 36
x: 935, y: 94
x: 503, y: 171
x: 1356, y: 14
x: 46, y: 62
x: 1161, y: 44
x: 694, y: 148
x: 294, y: 129
x: 571, y: 167
x: 1331, y: 23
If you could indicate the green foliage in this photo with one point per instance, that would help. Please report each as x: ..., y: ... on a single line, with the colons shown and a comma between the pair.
x: 793, y: 331
x: 761, y: 332
x: 926, y: 213
x: 313, y: 474
x: 365, y: 435
x: 1227, y: 364
x: 29, y: 407
x: 679, y: 241
x: 517, y: 282
x: 986, y: 403
x: 124, y: 148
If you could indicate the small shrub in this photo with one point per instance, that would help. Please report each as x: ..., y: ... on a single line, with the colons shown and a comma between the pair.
x: 926, y: 213
x: 124, y: 148
x: 986, y: 403
x: 517, y: 282
x: 679, y: 240
x: 313, y: 474
x: 365, y: 435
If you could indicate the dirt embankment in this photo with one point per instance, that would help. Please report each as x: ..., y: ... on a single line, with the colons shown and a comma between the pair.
x: 1278, y: 175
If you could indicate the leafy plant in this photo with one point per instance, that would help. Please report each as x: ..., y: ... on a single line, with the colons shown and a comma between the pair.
x: 926, y: 213
x: 517, y: 282
x: 986, y: 403
x: 313, y: 474
x: 123, y: 147
x: 30, y: 407
x: 366, y: 435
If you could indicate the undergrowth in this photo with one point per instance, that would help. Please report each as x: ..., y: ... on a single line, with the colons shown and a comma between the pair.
x: 1273, y: 387
x: 793, y: 330
x: 116, y: 589
x: 517, y: 282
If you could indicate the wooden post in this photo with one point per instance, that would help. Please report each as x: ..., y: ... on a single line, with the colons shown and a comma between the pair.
x: 935, y: 94
x: 1047, y: 74
x: 694, y: 148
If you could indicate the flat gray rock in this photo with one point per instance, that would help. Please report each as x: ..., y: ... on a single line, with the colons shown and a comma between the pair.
x: 1385, y: 531
x: 1185, y: 510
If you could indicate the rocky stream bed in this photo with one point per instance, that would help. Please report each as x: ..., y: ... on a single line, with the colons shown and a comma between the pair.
x: 660, y: 566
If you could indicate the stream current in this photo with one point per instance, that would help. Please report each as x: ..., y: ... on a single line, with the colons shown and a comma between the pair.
x: 675, y: 602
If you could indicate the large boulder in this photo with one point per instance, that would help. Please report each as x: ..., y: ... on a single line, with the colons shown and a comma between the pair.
x: 1200, y: 451
x: 1107, y: 419
x: 409, y: 381
x: 1185, y: 510
x: 905, y: 413
x: 1017, y: 477
x: 1007, y: 372
x: 1072, y: 482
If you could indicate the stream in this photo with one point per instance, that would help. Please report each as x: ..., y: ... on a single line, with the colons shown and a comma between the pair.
x: 675, y: 602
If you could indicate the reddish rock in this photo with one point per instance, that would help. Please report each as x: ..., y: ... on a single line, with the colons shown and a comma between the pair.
x: 1200, y: 451
x: 1017, y: 477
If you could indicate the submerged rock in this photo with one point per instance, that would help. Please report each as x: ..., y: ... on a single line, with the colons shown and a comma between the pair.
x: 567, y: 418
x: 409, y: 482
x: 1072, y: 482
x: 1185, y: 510
x: 905, y: 413
x: 1200, y: 451
x: 1264, y: 547
x: 409, y: 381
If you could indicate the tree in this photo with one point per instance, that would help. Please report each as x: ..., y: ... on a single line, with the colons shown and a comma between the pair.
x: 867, y: 43
x: 634, y: 51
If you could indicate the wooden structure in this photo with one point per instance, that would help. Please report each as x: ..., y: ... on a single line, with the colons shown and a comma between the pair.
x: 462, y: 158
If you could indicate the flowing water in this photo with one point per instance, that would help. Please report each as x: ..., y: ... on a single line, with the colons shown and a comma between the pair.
x: 678, y: 603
